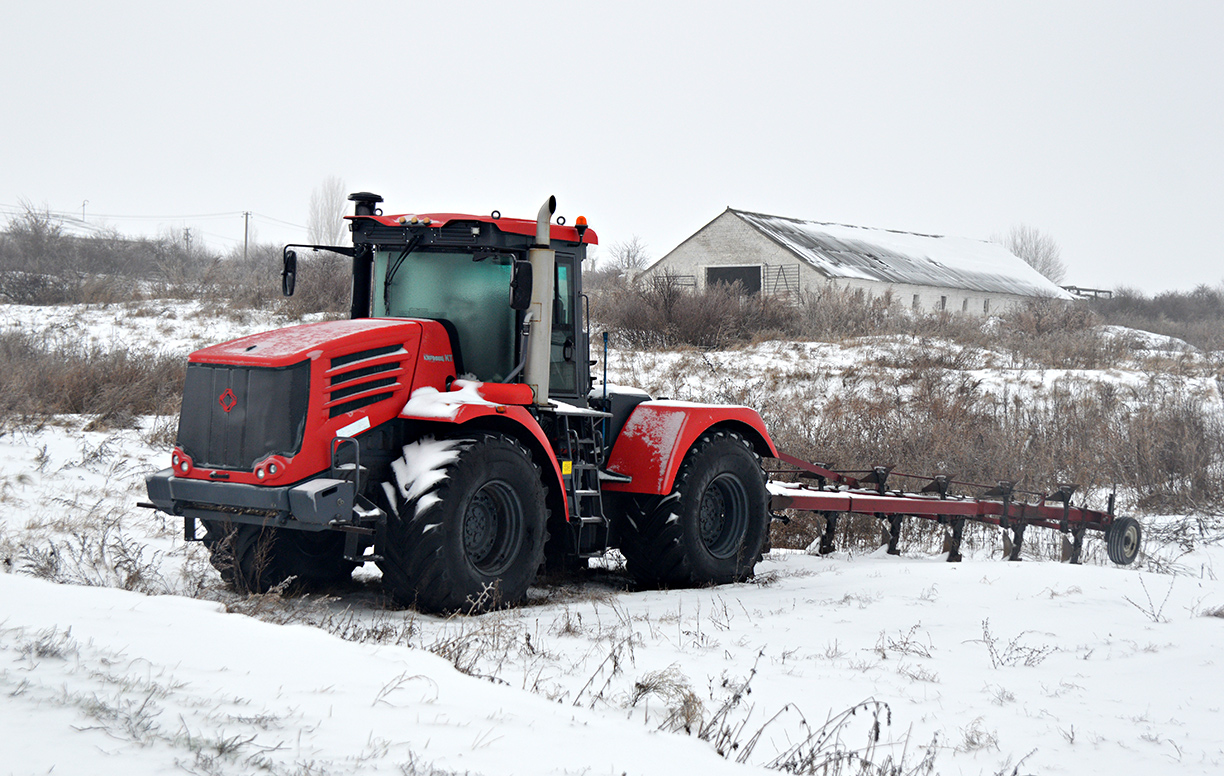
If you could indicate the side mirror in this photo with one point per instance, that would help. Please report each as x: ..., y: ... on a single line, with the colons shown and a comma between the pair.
x: 289, y: 273
x: 520, y: 286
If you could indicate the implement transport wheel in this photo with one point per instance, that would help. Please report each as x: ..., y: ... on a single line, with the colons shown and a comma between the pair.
x: 255, y: 559
x: 713, y: 525
x: 472, y: 537
x: 1122, y: 540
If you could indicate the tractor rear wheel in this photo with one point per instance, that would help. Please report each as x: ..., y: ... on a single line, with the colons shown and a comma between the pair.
x: 1122, y: 540
x: 255, y: 559
x: 470, y: 539
x: 712, y: 527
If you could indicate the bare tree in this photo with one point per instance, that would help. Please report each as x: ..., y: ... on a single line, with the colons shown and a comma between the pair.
x: 1037, y: 249
x: 328, y: 203
x: 629, y: 256
x: 623, y: 262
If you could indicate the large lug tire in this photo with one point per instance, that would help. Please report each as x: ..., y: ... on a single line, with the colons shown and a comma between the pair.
x: 471, y: 539
x: 713, y: 526
x: 255, y: 559
x: 1123, y: 539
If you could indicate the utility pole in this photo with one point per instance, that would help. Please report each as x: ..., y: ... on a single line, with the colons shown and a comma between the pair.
x: 187, y: 239
x: 83, y: 204
x: 246, y: 230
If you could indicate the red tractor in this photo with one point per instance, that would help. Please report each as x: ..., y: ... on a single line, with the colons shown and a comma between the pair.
x: 449, y: 431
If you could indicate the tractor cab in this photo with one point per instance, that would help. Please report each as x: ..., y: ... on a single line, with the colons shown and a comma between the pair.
x: 474, y: 275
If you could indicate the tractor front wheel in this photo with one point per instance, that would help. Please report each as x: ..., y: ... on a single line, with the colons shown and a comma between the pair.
x: 255, y: 559
x: 465, y: 533
x: 713, y: 525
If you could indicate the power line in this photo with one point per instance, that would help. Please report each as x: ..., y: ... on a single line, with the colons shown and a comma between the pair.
x: 278, y: 221
x: 234, y: 240
x: 19, y: 209
x: 66, y: 214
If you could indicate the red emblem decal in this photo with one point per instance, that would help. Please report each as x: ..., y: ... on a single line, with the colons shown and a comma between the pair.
x: 228, y: 400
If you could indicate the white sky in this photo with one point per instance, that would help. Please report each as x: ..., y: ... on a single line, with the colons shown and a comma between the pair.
x: 1098, y: 123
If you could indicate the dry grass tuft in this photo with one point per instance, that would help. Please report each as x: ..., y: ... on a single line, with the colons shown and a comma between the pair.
x: 40, y: 376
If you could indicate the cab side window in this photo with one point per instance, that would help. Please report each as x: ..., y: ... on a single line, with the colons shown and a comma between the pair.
x: 563, y: 377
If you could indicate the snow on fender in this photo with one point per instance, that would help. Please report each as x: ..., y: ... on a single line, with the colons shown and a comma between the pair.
x: 470, y: 400
x: 431, y: 404
x: 658, y: 434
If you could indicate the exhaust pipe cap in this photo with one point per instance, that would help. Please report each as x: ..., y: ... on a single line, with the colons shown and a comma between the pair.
x: 543, y: 237
x: 367, y: 203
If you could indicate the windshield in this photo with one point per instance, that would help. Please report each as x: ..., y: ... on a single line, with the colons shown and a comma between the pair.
x: 452, y: 286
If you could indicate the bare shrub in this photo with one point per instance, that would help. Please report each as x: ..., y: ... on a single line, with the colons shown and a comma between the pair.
x: 830, y: 313
x: 977, y: 736
x: 659, y: 311
x: 1013, y: 652
x: 235, y: 284
x: 40, y: 377
x: 1166, y: 446
x: 1040, y: 317
x: 100, y: 553
x: 1151, y: 610
x: 907, y: 643
x: 824, y: 750
x: 1196, y: 316
x: 682, y: 708
x: 49, y: 643
x: 42, y: 264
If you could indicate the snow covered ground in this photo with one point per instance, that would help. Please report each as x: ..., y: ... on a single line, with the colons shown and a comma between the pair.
x: 145, y: 665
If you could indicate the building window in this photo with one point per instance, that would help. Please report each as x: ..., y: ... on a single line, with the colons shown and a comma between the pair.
x: 915, y: 303
x: 943, y: 303
x: 965, y: 305
x: 749, y: 278
x: 986, y: 306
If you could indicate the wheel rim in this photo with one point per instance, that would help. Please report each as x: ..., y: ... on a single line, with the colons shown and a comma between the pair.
x: 723, y: 516
x: 493, y: 528
x: 1130, y: 541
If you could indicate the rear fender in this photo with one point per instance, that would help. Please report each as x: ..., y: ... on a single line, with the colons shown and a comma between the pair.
x: 476, y: 406
x: 658, y: 435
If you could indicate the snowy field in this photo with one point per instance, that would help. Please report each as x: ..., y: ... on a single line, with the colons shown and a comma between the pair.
x: 147, y: 665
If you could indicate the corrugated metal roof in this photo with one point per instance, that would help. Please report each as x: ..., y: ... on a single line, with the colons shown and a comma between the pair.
x: 842, y: 251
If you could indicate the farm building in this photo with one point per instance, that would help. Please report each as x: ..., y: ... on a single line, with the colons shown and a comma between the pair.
x: 775, y: 255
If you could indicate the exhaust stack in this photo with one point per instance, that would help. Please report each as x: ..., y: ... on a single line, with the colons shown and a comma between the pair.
x: 539, y: 341
x: 365, y: 204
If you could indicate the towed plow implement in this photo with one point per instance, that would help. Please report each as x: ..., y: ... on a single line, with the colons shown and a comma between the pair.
x: 831, y: 493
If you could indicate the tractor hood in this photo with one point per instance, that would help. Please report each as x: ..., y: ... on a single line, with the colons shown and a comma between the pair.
x: 263, y: 409
x: 284, y: 347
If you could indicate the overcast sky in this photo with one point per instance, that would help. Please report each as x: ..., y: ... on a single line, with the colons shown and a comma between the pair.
x: 1101, y: 124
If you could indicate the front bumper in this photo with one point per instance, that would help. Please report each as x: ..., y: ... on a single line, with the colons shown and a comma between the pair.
x: 314, y: 505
